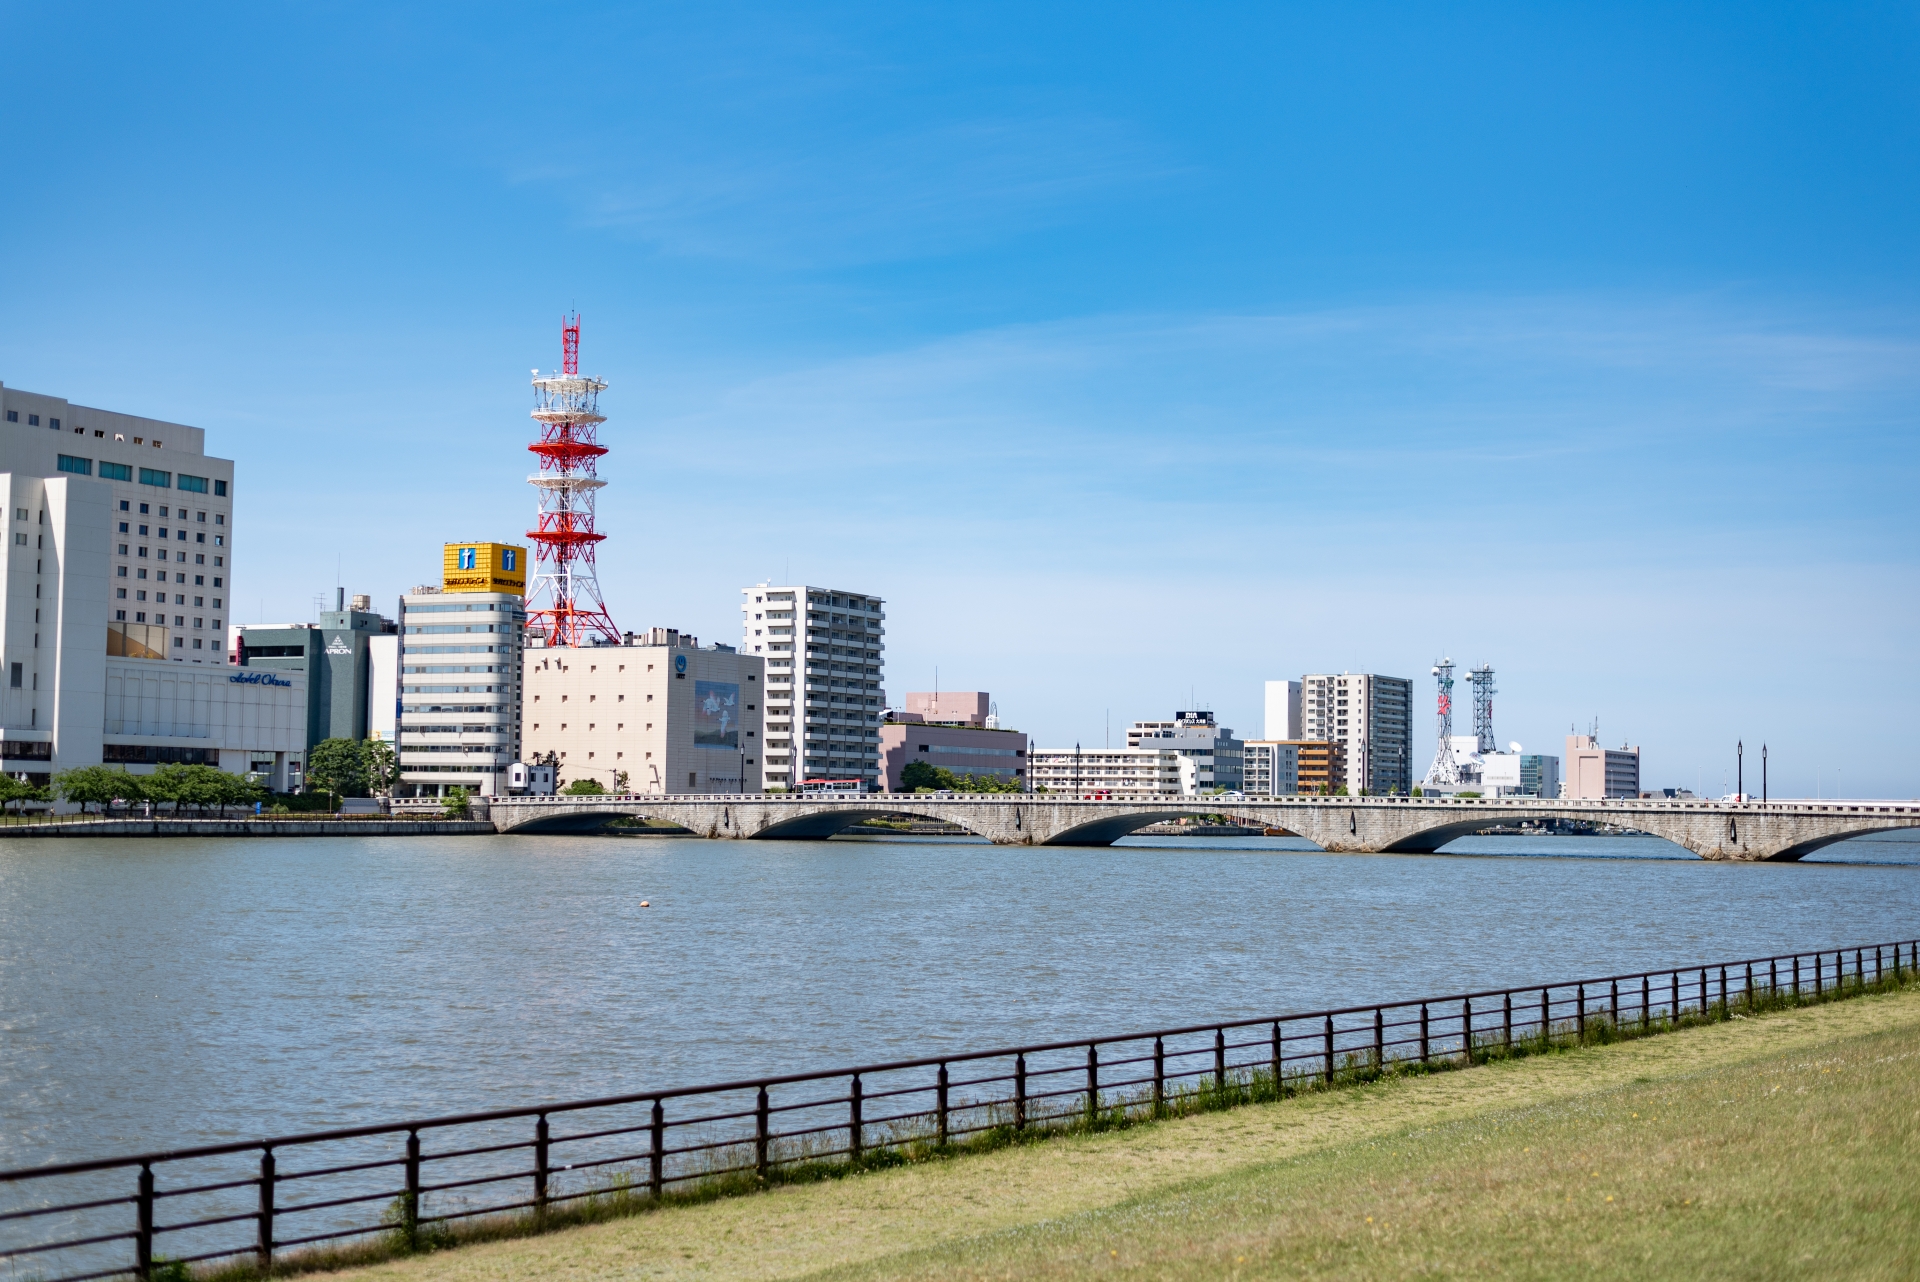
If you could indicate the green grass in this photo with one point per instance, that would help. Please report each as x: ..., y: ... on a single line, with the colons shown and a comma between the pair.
x: 1769, y: 1146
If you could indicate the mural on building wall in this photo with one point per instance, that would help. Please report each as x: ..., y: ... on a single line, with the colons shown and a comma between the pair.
x: 716, y: 715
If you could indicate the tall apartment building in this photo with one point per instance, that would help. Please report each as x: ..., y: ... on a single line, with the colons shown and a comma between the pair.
x: 1370, y: 717
x: 1595, y: 773
x: 461, y: 652
x: 824, y: 653
x: 1217, y: 755
x: 1320, y: 765
x: 114, y: 608
x: 1272, y: 767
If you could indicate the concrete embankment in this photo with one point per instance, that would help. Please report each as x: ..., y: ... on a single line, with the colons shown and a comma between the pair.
x: 254, y: 828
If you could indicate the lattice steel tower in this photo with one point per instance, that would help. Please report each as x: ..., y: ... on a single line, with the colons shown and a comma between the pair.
x: 1443, y: 773
x: 1483, y: 692
x: 563, y: 600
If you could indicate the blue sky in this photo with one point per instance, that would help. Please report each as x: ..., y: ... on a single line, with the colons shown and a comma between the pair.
x: 1134, y: 355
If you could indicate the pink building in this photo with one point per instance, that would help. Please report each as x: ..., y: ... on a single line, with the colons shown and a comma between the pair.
x: 1595, y: 773
x: 948, y: 730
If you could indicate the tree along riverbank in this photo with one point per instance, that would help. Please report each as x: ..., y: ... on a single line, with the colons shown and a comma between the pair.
x: 265, y: 826
x: 1771, y: 1145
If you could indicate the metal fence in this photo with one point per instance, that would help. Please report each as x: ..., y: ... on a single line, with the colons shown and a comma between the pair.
x: 419, y: 1181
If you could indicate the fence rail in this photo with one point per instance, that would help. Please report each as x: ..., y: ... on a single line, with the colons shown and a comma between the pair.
x: 412, y: 1182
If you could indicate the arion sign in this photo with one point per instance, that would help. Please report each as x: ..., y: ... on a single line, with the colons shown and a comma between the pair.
x: 484, y: 567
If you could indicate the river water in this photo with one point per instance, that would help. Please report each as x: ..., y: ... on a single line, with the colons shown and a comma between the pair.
x: 156, y: 993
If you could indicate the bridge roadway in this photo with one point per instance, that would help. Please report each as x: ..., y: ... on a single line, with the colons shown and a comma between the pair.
x: 1778, y: 830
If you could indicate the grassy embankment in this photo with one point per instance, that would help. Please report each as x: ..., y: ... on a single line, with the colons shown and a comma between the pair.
x: 1783, y: 1145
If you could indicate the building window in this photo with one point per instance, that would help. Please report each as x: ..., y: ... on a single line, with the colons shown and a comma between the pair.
x: 143, y: 552
x: 220, y: 488
x: 116, y: 472
x: 219, y: 518
x: 139, y: 616
x: 120, y: 593
x: 197, y: 484
x: 123, y: 549
x: 14, y: 680
x: 54, y: 423
x: 121, y: 615
x: 33, y: 420
x: 154, y: 476
x: 78, y: 466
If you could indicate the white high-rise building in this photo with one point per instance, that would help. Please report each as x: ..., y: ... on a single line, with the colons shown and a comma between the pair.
x: 1283, y: 710
x: 460, y: 690
x: 1369, y: 716
x: 113, y: 617
x: 824, y: 649
x: 1272, y: 768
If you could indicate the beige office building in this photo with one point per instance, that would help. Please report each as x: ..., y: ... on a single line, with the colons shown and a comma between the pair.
x: 1595, y: 773
x: 659, y: 713
x: 1369, y: 717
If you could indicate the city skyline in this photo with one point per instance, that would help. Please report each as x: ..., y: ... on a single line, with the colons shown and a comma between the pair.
x: 1123, y: 358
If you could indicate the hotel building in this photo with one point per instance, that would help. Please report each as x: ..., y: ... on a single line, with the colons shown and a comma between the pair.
x: 113, y: 615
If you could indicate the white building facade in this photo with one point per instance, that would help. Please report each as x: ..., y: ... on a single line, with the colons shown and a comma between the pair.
x: 1370, y: 717
x: 1162, y: 772
x: 1282, y: 710
x: 1216, y: 754
x: 1272, y: 768
x: 460, y: 691
x: 117, y: 576
x: 825, y: 653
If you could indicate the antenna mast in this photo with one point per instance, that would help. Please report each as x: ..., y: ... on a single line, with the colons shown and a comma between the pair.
x: 563, y: 601
x: 1483, y: 692
x: 1443, y: 773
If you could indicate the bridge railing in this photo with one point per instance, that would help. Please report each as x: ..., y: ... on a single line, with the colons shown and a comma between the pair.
x: 1218, y: 802
x: 410, y: 1183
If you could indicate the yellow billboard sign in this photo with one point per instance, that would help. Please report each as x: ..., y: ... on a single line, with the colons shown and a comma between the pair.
x: 484, y: 567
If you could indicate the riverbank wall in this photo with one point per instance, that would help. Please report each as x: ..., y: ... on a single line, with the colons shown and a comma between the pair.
x: 264, y: 827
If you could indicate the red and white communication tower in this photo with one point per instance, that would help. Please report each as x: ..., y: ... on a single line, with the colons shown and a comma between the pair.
x: 563, y: 601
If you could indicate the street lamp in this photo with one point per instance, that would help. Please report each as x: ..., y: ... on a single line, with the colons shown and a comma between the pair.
x: 1763, y: 774
x: 1739, y: 771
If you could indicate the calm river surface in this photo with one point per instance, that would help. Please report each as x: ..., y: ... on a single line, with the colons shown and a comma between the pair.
x: 164, y: 992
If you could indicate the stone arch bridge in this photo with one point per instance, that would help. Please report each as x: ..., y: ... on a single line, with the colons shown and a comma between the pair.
x: 1779, y: 830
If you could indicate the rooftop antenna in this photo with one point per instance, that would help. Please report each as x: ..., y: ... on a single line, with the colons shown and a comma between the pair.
x: 1443, y: 773
x: 563, y: 594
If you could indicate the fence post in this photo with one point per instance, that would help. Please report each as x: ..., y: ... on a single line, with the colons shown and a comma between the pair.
x: 1646, y: 1001
x: 1703, y: 992
x: 1859, y: 970
x: 1773, y: 977
x: 1329, y: 1035
x: 1747, y: 992
x: 1673, y: 1000
x: 762, y: 1118
x: 1020, y: 1092
x: 941, y: 1105
x: 1546, y: 1018
x: 1279, y: 1063
x: 1159, y: 1077
x: 656, y: 1155
x: 1423, y: 1032
x: 540, y: 1140
x: 1613, y: 1009
x: 1876, y: 964
x: 412, y: 1223
x: 263, y: 1245
x: 143, y: 1231
x: 855, y: 1127
x: 1580, y: 1016
x: 1466, y: 1029
x: 1093, y: 1081
x: 1819, y: 965
x: 1724, y: 1008
x: 1220, y: 1061
x: 1379, y: 1040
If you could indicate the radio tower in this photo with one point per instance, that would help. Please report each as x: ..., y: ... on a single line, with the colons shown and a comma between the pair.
x: 1483, y: 692
x: 1443, y: 773
x: 563, y: 601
